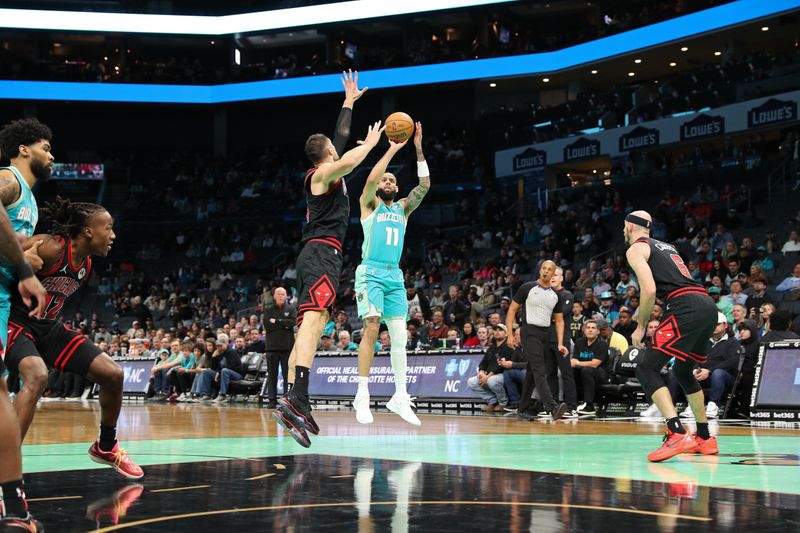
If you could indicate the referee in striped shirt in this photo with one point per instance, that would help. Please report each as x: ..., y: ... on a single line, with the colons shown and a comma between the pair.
x: 539, y: 305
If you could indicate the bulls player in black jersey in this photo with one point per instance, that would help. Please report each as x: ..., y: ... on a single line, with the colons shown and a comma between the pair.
x: 319, y: 264
x: 79, y: 231
x: 683, y: 333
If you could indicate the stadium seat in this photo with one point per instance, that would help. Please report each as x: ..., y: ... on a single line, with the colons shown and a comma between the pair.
x: 255, y: 373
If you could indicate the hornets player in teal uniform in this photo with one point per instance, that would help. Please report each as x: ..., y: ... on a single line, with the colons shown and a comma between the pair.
x: 27, y: 144
x: 380, y: 291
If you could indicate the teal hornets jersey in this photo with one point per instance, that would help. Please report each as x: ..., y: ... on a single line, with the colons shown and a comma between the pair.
x: 384, y: 233
x: 24, y: 215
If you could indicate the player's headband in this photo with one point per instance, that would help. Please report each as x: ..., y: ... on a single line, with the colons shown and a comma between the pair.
x: 639, y: 221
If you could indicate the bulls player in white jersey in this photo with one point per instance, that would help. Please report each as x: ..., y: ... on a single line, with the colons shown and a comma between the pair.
x: 79, y: 231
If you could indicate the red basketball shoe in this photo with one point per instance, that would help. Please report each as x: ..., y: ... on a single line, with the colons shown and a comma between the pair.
x: 706, y: 446
x: 117, y: 459
x: 674, y: 443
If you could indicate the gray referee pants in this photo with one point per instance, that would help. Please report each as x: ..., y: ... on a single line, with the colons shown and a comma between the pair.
x: 534, y: 345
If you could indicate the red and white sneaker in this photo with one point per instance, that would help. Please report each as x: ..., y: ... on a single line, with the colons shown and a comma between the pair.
x: 706, y: 446
x: 674, y: 443
x: 117, y: 459
x: 21, y: 525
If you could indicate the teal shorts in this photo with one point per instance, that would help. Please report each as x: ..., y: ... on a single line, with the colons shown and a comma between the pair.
x: 5, y: 312
x: 380, y: 291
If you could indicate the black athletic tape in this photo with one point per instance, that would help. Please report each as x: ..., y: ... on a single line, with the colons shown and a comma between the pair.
x: 639, y: 221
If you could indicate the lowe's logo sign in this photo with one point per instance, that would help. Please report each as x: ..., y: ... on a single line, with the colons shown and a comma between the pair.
x: 772, y: 111
x: 581, y: 149
x: 702, y: 126
x: 530, y: 159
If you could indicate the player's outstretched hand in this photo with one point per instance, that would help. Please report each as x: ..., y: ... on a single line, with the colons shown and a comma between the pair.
x: 373, y: 134
x: 351, y: 90
x: 395, y: 147
x: 418, y: 136
x: 32, y: 288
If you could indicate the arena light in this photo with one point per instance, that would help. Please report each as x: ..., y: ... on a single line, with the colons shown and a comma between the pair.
x: 580, y: 55
x: 31, y: 19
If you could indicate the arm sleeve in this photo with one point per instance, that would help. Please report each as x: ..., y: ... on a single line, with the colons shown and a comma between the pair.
x: 342, y: 133
x: 522, y: 292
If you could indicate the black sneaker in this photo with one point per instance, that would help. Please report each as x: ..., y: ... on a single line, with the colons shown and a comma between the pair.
x: 586, y: 409
x: 558, y: 411
x: 302, y: 408
x: 285, y: 416
x: 21, y: 525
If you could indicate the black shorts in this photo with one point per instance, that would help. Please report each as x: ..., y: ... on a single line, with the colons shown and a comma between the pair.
x: 61, y: 347
x: 686, y: 327
x: 319, y: 267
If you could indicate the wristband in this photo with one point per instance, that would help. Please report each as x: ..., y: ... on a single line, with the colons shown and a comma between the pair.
x: 422, y: 169
x: 25, y: 271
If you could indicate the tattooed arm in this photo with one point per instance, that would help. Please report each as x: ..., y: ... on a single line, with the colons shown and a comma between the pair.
x: 414, y: 198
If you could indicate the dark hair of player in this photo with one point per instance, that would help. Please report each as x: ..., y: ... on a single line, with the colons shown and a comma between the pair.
x: 26, y: 131
x: 69, y: 218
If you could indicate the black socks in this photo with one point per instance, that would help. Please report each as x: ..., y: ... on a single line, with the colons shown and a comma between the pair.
x: 674, y: 425
x: 301, y: 380
x: 702, y: 430
x: 12, y: 500
x: 108, y: 437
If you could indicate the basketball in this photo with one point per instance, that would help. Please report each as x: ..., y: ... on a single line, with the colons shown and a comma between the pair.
x: 399, y: 127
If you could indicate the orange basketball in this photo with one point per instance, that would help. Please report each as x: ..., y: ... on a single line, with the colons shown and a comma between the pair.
x: 399, y: 127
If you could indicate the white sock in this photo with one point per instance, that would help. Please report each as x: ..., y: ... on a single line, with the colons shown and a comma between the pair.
x: 363, y: 384
x: 399, y: 338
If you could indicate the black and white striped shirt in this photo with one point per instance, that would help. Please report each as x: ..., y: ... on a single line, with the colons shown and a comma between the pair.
x: 538, y: 304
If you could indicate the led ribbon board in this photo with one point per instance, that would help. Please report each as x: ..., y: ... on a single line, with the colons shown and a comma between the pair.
x: 296, y: 17
x: 717, y: 18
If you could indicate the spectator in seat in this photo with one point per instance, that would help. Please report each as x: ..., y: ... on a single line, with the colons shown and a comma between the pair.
x: 793, y: 244
x: 470, y: 337
x: 488, y: 383
x: 625, y: 283
x: 437, y: 300
x: 590, y: 364
x: 763, y: 260
x: 764, y: 314
x: 455, y: 312
x: 514, y: 372
x: 600, y: 286
x: 326, y: 343
x: 739, y: 315
x: 736, y: 295
x: 484, y: 338
x: 341, y: 324
x: 486, y: 300
x: 230, y: 367
x: 239, y: 344
x: 612, y: 338
x: 778, y: 328
x: 626, y: 325
x: 385, y: 342
x: 206, y: 371
x: 140, y: 311
x: 747, y: 333
x: 254, y: 342
x: 167, y: 362
x: 733, y: 271
x: 345, y: 344
x: 791, y: 284
x: 182, y: 377
x: 203, y: 363
x: 574, y: 323
x: 717, y: 374
x: 724, y: 306
x: 493, y: 319
x: 417, y: 301
x: 438, y: 329
x: 505, y: 303
x: 652, y: 325
x: 414, y: 340
x: 608, y: 308
x: 759, y: 296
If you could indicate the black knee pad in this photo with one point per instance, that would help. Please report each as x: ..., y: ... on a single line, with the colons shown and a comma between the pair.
x: 683, y: 371
x: 649, y: 371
